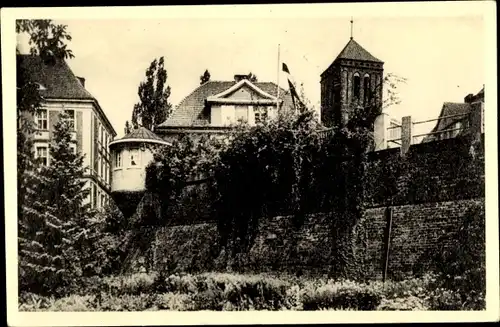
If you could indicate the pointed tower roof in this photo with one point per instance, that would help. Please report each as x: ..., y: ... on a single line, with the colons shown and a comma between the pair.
x: 354, y: 51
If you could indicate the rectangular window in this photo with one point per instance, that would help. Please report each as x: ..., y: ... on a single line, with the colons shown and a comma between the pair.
x: 42, y: 155
x: 103, y: 199
x: 118, y: 159
x: 98, y: 132
x: 70, y: 118
x: 134, y: 158
x: 102, y: 135
x: 241, y: 113
x: 101, y: 174
x: 41, y: 119
x: 260, y: 115
x: 105, y: 172
x: 94, y: 196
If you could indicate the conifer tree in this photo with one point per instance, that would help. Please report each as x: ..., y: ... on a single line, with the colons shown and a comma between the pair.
x: 55, y: 231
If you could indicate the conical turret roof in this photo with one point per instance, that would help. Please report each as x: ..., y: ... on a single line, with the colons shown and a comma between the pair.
x: 140, y: 134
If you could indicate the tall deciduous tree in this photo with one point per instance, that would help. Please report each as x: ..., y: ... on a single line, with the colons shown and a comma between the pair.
x: 153, y: 107
x: 205, y: 77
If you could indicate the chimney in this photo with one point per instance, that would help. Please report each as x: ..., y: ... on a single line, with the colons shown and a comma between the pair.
x: 82, y: 80
x: 239, y: 77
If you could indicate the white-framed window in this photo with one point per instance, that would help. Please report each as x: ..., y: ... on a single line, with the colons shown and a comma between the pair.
x: 103, y: 199
x: 42, y: 154
x: 72, y: 146
x: 41, y: 119
x: 260, y: 115
x: 134, y: 158
x: 118, y: 159
x: 70, y: 118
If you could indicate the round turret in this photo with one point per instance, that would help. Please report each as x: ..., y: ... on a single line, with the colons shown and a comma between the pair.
x: 131, y: 154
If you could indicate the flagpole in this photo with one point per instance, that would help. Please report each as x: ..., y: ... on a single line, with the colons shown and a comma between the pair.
x: 278, y: 81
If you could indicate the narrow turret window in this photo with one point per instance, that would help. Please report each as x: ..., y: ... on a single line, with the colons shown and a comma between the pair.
x: 356, y: 85
x: 367, y: 89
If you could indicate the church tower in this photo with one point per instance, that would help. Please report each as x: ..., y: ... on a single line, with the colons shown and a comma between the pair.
x: 353, y: 79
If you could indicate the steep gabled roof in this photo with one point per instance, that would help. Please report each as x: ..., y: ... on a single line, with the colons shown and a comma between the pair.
x: 57, y: 80
x: 354, y: 51
x: 190, y: 111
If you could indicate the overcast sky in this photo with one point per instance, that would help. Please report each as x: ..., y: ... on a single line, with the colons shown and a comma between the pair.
x: 442, y: 58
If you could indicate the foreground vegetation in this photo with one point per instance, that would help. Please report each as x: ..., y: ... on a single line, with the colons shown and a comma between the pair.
x: 71, y: 257
x: 223, y: 291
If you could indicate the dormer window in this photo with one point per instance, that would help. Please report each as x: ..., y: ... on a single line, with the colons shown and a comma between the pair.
x: 356, y: 85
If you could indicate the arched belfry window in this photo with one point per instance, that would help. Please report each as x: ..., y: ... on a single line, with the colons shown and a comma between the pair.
x: 367, y: 88
x: 356, y: 85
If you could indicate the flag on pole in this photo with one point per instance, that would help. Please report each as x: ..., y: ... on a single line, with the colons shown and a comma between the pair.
x: 291, y: 85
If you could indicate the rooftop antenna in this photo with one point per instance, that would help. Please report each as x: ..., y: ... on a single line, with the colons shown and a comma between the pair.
x: 352, y: 21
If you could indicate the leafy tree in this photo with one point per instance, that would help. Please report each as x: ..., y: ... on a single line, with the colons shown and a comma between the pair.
x: 205, y: 77
x: 252, y: 77
x: 153, y: 107
x: 269, y: 163
x: 46, y: 38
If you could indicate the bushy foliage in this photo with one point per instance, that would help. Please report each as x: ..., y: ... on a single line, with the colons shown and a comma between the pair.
x: 271, y: 164
x: 340, y: 295
x: 174, y: 167
x: 222, y: 291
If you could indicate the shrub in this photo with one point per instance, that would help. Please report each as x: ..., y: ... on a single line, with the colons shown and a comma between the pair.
x: 131, y: 284
x: 340, y: 295
x: 409, y: 303
x: 235, y: 292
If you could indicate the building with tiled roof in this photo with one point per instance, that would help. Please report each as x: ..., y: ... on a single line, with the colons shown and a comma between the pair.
x: 454, y: 117
x: 215, y: 106
x: 353, y: 79
x: 62, y: 91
